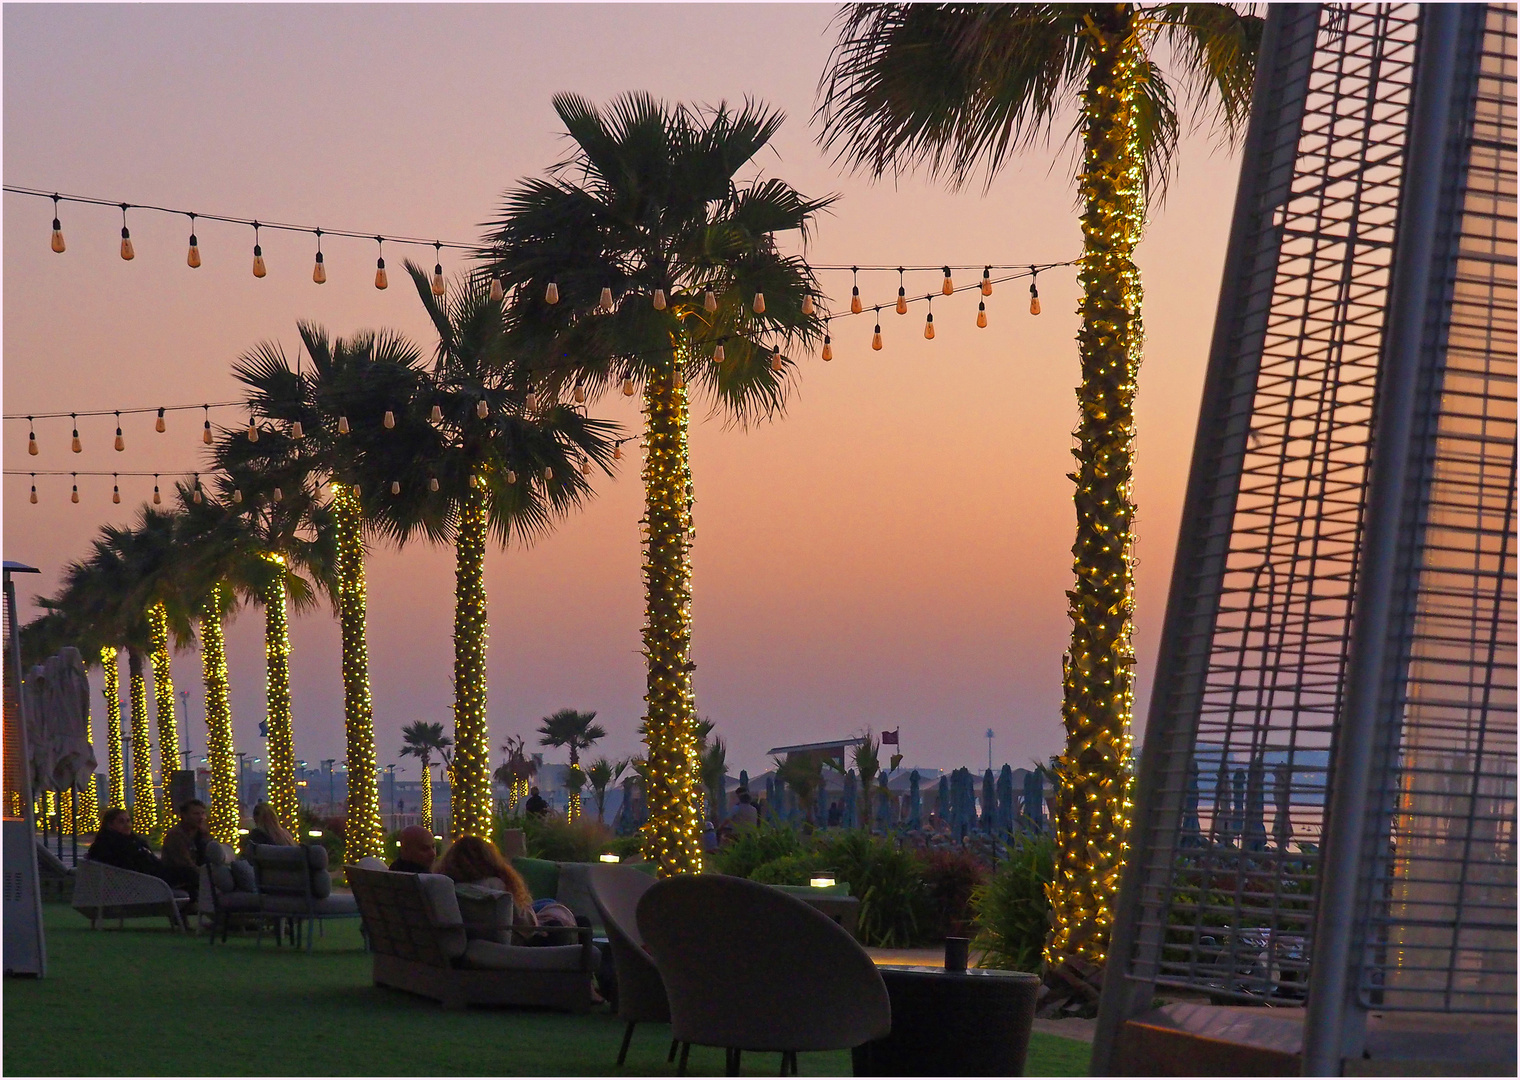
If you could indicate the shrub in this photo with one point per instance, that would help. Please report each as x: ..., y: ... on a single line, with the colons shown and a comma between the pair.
x: 581, y: 840
x: 1012, y: 911
x: 888, y: 881
x: 950, y: 878
x: 331, y: 838
x: 751, y: 849
x: 625, y: 847
x: 789, y: 869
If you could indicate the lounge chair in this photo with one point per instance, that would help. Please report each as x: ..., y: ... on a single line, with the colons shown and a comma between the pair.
x: 229, y: 890
x: 747, y: 967
x: 102, y: 891
x: 293, y: 883
x: 616, y: 891
x: 417, y: 935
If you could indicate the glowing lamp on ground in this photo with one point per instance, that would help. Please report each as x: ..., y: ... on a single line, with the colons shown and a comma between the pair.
x: 610, y: 858
x: 822, y: 880
x: 315, y: 833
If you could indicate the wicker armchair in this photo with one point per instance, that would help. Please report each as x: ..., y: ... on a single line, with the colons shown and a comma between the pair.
x: 102, y: 891
x: 616, y: 891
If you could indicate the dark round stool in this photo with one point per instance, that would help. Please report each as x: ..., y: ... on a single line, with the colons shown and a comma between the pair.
x: 945, y: 1023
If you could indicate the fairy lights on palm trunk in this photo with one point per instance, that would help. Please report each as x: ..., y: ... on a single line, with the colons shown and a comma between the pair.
x: 427, y: 796
x: 673, y: 834
x: 364, y: 835
x: 1092, y: 792
x: 144, y: 803
x: 116, y: 794
x: 280, y: 745
x: 163, y: 704
x: 224, y: 811
x: 470, y: 803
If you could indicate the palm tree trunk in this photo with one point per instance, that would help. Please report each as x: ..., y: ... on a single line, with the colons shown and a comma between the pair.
x: 673, y: 834
x: 144, y: 806
x: 427, y: 796
x: 163, y: 704
x: 117, y: 796
x: 280, y: 761
x: 1092, y: 792
x: 470, y: 792
x: 363, y: 834
x: 224, y: 813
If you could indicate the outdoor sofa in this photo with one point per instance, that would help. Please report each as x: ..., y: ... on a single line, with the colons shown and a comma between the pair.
x: 102, y: 891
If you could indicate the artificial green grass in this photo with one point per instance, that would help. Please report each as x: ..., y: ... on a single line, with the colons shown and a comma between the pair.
x: 149, y: 1001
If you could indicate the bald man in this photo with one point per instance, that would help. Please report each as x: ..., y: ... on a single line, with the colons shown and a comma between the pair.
x: 417, y: 852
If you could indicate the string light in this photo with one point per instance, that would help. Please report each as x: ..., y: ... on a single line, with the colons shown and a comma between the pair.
x: 1034, y: 292
x: 876, y: 334
x: 296, y: 430
x: 551, y: 293
x: 986, y: 281
x: 628, y: 386
x: 319, y: 270
x: 605, y: 303
x: 258, y: 253
x: 929, y: 320
x: 160, y: 425
x: 482, y: 409
x: 981, y: 314
x: 395, y: 487
x: 115, y: 490
x: 617, y: 451
x: 121, y: 443
x: 127, y: 253
x: 206, y: 427
x: 163, y: 701
x: 948, y: 288
x: 222, y: 818
x: 76, y: 445
x: 279, y: 742
x: 759, y: 304
x: 278, y: 494
x: 195, y: 496
x: 472, y: 807
x: 718, y: 358
x: 855, y: 307
x: 807, y: 304
x: 437, y: 415
x: 498, y: 291
x: 382, y: 282
x: 193, y: 256
x: 31, y: 438
x: 579, y: 394
x: 511, y: 477
x: 902, y: 293
x: 548, y: 474
x: 237, y: 495
x: 144, y: 800
x: 828, y: 342
x: 709, y: 302
x: 438, y: 283
x: 58, y: 245
x: 157, y: 498
x: 34, y: 489
x: 116, y: 775
x: 776, y: 358
x: 342, y: 425
x: 390, y: 419
x: 659, y: 299
x: 364, y: 835
x: 432, y: 483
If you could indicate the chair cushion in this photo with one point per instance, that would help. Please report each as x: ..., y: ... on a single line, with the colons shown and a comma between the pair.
x: 487, y: 912
x: 369, y: 862
x: 493, y: 956
x: 443, y: 904
x: 238, y: 901
x: 220, y: 875
x: 244, y: 880
x: 316, y: 856
x: 540, y: 875
x: 321, y: 884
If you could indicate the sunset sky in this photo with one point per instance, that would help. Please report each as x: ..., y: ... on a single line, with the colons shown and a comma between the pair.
x: 894, y: 552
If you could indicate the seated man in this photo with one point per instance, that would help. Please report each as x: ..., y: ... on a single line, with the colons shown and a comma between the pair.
x: 185, y: 847
x: 535, y: 806
x: 117, y: 845
x: 744, y: 815
x: 417, y: 853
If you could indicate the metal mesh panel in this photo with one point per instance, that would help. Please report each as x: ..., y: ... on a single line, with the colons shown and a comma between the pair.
x: 1225, y: 903
x: 15, y: 766
x: 1442, y: 936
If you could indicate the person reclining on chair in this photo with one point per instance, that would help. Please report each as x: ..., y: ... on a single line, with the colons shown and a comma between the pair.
x: 417, y: 854
x: 185, y: 847
x: 117, y: 845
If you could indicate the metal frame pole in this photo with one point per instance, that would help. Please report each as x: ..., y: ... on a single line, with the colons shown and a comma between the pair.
x: 1334, y: 1028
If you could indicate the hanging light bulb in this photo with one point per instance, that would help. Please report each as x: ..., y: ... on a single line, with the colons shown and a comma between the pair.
x: 606, y: 301
x: 193, y: 257
x: 253, y: 431
x: 548, y: 474
x: 237, y: 495
x: 159, y: 425
x: 126, y: 244
x: 258, y: 253
x: 617, y: 452
x: 948, y: 286
x: 74, y: 496
x: 776, y: 358
x: 121, y: 443
x: 628, y: 388
x: 195, y: 496
x: 296, y: 431
x: 319, y: 271
x: 585, y: 466
x: 709, y: 302
x: 437, y: 414
x: 981, y: 314
x: 659, y: 299
x: 876, y: 334
x: 438, y: 283
x: 342, y: 425
x: 498, y: 291
x: 1034, y: 293
x: 551, y: 293
x: 432, y: 483
x: 206, y: 426
x: 718, y: 354
x: 157, y: 498
x: 511, y: 477
x: 395, y: 487
x: 902, y: 294
x: 76, y: 446
x: 855, y: 308
x: 482, y: 410
x: 59, y: 246
x: 929, y: 325
x: 31, y: 438
x: 381, y: 279
x: 807, y: 304
x: 986, y: 281
x: 115, y: 490
x: 34, y: 494
x: 759, y: 305
x: 390, y: 419
x: 530, y: 402
x: 828, y: 347
x: 279, y: 495
x: 579, y: 394
x: 358, y: 491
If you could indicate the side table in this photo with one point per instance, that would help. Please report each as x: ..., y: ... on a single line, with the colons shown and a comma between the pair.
x: 948, y: 1023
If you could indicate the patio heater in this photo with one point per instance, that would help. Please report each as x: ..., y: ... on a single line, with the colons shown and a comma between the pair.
x: 25, y: 947
x: 1326, y: 798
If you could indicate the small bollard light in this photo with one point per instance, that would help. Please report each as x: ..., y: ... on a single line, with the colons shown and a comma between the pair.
x: 821, y: 881
x: 242, y: 832
x: 314, y: 832
x: 436, y: 836
x: 609, y: 858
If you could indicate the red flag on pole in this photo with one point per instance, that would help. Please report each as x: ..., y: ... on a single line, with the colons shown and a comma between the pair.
x: 889, y: 738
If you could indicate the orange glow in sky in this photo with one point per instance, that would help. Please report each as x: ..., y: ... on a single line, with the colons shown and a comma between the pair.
x: 893, y: 553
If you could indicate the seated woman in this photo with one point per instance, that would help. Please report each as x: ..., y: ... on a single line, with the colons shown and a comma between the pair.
x: 267, y: 829
x: 481, y: 874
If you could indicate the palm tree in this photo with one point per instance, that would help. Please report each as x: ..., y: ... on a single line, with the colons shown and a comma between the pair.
x: 491, y: 459
x: 422, y: 740
x: 868, y: 763
x: 713, y: 754
x: 576, y: 731
x: 641, y: 262
x: 602, y: 774
x: 342, y: 399
x: 958, y: 88
x: 517, y: 771
x: 803, y: 773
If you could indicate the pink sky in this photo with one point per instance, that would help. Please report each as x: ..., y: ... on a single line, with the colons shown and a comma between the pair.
x: 894, y: 552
